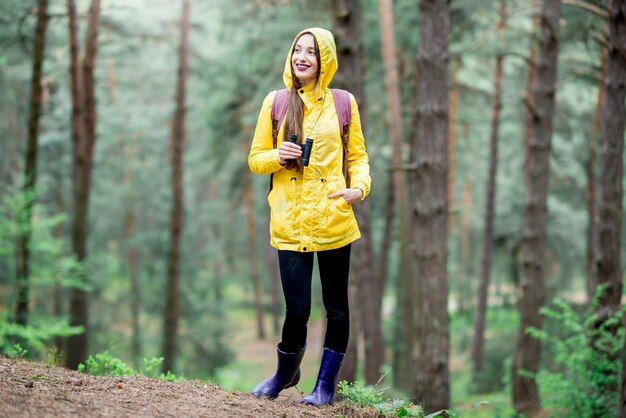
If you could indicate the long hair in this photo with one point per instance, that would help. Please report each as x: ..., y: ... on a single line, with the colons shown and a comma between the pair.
x: 295, y: 106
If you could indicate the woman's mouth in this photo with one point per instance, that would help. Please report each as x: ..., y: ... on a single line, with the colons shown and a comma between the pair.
x: 302, y: 67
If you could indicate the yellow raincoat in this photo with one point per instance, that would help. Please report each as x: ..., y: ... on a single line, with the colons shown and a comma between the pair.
x: 303, y: 217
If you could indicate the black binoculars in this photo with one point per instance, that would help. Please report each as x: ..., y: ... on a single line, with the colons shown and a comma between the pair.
x: 306, y: 148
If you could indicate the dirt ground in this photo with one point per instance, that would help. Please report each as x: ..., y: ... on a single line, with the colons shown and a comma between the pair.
x: 33, y: 390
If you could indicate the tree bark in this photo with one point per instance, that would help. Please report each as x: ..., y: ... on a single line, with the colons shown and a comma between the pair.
x: 83, y: 138
x: 454, y: 95
x: 132, y: 257
x: 399, y: 191
x: 528, y: 349
x: 485, y: 273
x: 30, y: 167
x: 609, y: 207
x: 608, y: 221
x: 177, y: 146
x: 590, y: 196
x: 347, y: 26
x: 252, y: 256
x: 271, y: 262
x: 432, y: 387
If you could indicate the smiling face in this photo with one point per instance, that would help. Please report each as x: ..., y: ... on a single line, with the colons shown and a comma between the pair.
x: 304, y: 59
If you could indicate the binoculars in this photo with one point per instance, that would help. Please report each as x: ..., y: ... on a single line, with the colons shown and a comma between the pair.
x: 306, y: 148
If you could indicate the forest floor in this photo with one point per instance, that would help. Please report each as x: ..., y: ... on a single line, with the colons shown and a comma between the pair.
x: 29, y: 389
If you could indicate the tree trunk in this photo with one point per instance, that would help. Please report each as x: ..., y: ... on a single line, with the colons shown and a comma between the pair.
x: 57, y: 295
x: 398, y: 201
x: 591, y: 179
x: 132, y: 257
x: 528, y: 349
x: 271, y: 262
x: 83, y: 138
x: 214, y: 238
x: 347, y: 26
x: 432, y: 387
x: 608, y: 221
x: 30, y: 167
x: 530, y: 82
x: 466, y: 266
x: 454, y: 96
x: 252, y: 256
x: 177, y: 146
x: 609, y: 210
x: 485, y: 272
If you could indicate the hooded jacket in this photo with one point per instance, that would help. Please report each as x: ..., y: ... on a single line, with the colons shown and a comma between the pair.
x: 303, y: 217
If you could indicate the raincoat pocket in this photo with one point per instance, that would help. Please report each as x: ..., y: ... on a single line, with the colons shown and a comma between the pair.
x: 339, y: 216
x: 281, y: 223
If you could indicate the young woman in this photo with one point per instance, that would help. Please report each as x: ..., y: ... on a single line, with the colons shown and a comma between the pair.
x: 311, y: 206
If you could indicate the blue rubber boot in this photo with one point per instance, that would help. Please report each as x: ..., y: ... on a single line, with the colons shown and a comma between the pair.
x: 287, y: 375
x: 324, y: 391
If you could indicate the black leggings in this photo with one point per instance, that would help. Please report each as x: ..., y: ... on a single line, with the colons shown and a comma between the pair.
x: 296, y: 270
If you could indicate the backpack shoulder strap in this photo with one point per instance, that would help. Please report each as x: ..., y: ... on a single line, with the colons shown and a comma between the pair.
x: 344, y: 111
x: 343, y: 106
x: 279, y: 108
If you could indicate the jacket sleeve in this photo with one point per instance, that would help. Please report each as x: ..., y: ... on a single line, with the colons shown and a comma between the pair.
x: 263, y: 157
x: 357, y: 159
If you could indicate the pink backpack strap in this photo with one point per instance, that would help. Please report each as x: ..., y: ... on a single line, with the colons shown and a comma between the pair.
x: 279, y: 108
x: 344, y: 111
x: 343, y: 106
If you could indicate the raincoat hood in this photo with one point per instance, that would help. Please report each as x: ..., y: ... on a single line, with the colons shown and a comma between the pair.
x: 328, y: 58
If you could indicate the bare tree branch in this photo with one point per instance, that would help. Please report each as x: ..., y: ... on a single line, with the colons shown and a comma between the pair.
x: 589, y: 7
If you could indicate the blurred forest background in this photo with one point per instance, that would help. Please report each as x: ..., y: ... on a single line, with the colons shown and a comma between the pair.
x: 131, y: 224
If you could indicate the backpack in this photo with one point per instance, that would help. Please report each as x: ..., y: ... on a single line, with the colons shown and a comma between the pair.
x: 343, y: 108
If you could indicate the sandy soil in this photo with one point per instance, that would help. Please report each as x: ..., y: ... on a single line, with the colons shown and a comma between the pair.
x: 33, y: 390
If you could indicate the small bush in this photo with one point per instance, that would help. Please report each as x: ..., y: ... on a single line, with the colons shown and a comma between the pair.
x: 107, y: 365
x: 371, y: 397
x: 585, y: 379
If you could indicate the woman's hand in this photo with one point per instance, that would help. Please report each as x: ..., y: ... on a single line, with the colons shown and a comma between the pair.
x: 288, y: 151
x: 351, y: 196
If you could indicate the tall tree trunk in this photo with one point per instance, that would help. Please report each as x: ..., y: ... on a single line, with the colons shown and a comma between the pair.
x: 83, y: 138
x: 607, y: 243
x: 271, y: 263
x: 466, y: 266
x: 30, y: 167
x: 252, y: 256
x: 432, y: 388
x: 454, y: 96
x: 57, y: 295
x: 590, y: 172
x: 214, y: 238
x: 527, y: 354
x: 530, y: 82
x: 485, y: 271
x: 398, y: 192
x: 132, y: 257
x: 177, y: 146
x: 347, y: 26
x: 610, y: 194
x: 607, y: 264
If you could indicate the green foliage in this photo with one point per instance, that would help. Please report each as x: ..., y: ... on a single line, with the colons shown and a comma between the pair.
x: 371, y: 397
x: 32, y: 337
x: 16, y: 351
x: 104, y: 364
x: 584, y: 375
